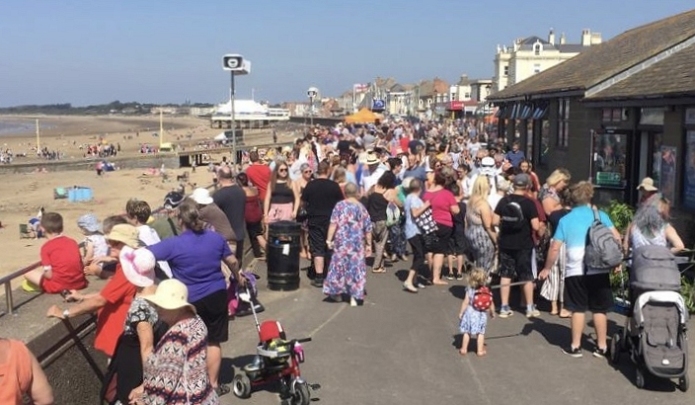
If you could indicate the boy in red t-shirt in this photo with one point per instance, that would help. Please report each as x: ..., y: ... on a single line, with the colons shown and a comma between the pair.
x: 61, y: 262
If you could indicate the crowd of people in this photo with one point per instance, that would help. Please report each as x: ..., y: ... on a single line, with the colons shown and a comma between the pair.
x: 443, y: 194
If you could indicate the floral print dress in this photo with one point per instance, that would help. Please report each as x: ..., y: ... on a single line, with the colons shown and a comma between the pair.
x: 473, y: 321
x: 347, y: 271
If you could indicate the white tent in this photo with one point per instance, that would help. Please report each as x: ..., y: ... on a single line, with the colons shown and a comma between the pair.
x: 242, y: 107
x: 220, y: 137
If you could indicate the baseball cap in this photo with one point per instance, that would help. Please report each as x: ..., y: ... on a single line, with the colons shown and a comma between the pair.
x: 521, y: 180
x: 173, y: 199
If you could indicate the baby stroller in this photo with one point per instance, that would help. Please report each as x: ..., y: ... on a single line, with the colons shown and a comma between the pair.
x: 655, y: 328
x: 277, y: 359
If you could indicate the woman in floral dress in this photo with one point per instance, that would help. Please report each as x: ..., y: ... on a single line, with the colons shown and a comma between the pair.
x: 349, y: 236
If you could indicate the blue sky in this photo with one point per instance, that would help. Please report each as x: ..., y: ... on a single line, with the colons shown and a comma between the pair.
x: 87, y: 52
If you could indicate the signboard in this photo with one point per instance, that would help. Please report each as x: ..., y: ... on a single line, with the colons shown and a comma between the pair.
x: 689, y: 175
x: 456, y: 106
x: 667, y: 172
x: 378, y: 105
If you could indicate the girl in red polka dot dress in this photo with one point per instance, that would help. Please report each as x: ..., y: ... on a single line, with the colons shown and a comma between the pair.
x: 474, y: 310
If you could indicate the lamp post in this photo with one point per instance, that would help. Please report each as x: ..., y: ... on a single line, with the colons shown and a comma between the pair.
x: 236, y: 65
x: 312, y: 93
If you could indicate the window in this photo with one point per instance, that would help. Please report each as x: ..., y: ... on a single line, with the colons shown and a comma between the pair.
x: 536, y: 68
x: 466, y: 96
x: 610, y: 158
x: 537, y: 49
x: 563, y: 116
x: 506, y: 70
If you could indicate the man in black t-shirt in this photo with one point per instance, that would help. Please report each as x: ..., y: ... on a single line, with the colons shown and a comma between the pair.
x: 232, y: 201
x: 319, y: 198
x: 516, y: 215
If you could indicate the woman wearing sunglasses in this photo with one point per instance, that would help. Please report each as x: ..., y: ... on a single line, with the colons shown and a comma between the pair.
x: 280, y: 198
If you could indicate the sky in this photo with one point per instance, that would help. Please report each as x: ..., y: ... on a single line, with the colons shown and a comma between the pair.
x: 161, y: 51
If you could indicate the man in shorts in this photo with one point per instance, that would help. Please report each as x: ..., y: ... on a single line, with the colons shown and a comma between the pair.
x: 588, y: 290
x: 517, y: 216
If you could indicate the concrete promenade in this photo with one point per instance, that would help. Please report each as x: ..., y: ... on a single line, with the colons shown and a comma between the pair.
x: 399, y: 349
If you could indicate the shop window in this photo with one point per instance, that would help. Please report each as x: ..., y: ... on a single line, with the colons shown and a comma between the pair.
x: 563, y: 122
x: 610, y: 157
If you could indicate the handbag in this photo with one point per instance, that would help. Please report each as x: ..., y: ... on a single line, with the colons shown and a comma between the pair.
x: 302, y: 215
x: 425, y: 222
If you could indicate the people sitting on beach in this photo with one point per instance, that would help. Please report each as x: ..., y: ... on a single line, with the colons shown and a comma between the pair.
x: 94, y: 243
x: 61, y: 262
x: 34, y: 227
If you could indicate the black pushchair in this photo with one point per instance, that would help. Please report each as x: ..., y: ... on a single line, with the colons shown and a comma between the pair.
x: 655, y: 328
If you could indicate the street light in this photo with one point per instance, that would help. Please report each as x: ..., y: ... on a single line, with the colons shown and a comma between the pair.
x: 236, y: 65
x: 312, y: 93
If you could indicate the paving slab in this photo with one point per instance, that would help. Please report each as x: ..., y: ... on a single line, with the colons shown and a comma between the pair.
x: 399, y: 348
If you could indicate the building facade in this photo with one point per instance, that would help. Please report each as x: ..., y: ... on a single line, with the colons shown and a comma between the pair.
x: 532, y: 55
x: 616, y: 114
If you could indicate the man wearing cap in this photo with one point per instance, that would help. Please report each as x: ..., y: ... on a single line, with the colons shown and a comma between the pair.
x: 231, y: 199
x: 517, y: 216
x: 167, y: 226
x: 213, y: 215
x: 113, y: 301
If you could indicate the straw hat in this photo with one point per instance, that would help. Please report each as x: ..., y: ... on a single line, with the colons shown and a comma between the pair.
x: 647, y: 184
x: 170, y: 294
x: 125, y: 233
x: 372, y: 159
x: 138, y: 266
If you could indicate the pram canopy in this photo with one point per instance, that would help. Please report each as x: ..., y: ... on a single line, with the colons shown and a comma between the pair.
x: 660, y: 297
x: 654, y: 268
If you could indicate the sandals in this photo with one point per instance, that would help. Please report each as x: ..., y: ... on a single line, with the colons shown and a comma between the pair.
x: 379, y: 270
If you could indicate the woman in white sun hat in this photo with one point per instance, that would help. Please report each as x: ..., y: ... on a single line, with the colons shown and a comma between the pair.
x: 176, y: 373
x: 142, y: 330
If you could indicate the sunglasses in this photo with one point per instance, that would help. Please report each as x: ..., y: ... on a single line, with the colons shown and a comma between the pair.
x: 282, y: 169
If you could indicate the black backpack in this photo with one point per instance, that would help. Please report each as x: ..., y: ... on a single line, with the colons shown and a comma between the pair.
x: 512, y: 218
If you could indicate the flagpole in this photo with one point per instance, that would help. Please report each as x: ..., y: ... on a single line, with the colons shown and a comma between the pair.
x: 38, y: 137
x: 161, y: 127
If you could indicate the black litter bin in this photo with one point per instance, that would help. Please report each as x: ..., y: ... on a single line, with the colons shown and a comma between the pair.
x: 282, y: 255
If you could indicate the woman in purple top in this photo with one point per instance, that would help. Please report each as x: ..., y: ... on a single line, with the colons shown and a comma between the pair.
x: 194, y: 257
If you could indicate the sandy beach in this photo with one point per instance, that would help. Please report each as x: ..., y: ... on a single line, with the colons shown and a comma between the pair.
x: 67, y: 133
x: 22, y: 195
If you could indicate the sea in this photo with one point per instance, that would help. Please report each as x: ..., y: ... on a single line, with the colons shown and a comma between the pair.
x: 13, y: 127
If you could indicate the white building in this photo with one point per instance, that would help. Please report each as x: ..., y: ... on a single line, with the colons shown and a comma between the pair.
x: 532, y: 55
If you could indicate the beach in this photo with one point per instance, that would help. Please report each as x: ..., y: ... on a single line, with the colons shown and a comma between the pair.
x: 22, y: 195
x: 71, y: 134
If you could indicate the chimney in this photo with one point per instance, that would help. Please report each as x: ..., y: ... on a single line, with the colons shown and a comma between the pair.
x: 563, y: 39
x: 551, y: 37
x: 596, y: 38
x: 586, y: 37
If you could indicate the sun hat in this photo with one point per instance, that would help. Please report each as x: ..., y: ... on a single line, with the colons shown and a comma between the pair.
x: 647, y: 184
x: 89, y: 223
x: 487, y: 161
x: 372, y: 159
x: 522, y: 180
x: 170, y: 294
x: 138, y: 266
x: 173, y: 199
x: 202, y: 196
x: 125, y: 233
